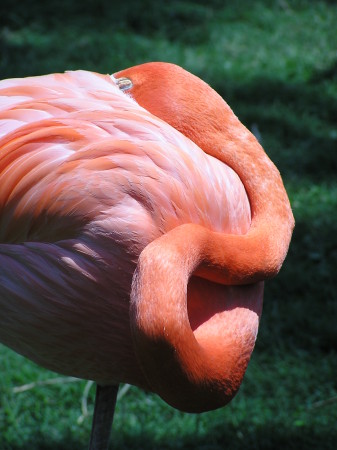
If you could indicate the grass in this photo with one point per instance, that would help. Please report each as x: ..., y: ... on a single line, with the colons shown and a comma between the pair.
x: 275, y: 62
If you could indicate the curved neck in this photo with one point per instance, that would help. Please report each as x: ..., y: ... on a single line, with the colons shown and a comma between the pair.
x: 190, y: 373
x: 260, y: 253
x: 189, y: 370
x: 196, y: 110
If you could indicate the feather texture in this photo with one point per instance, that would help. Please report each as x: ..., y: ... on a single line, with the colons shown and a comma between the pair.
x: 88, y: 179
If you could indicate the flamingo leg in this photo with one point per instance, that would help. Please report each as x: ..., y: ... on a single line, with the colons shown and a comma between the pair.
x: 105, y: 403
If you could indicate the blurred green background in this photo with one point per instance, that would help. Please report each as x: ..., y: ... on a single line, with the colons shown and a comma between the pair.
x: 275, y: 63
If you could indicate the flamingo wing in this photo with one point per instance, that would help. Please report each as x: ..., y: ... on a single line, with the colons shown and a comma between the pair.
x: 88, y: 180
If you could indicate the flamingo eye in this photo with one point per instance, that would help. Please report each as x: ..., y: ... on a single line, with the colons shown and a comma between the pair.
x: 124, y: 83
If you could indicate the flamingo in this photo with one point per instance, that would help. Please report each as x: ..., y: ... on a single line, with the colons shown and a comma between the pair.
x: 139, y: 220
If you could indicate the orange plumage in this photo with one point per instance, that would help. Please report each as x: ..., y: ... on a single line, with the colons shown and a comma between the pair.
x: 158, y: 194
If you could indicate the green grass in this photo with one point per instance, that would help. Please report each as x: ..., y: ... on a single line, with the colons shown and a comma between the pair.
x: 275, y: 62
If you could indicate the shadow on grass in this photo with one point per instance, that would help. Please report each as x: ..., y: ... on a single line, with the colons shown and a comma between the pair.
x: 300, y: 306
x: 298, y: 119
x: 230, y: 438
x: 175, y: 20
x: 264, y: 438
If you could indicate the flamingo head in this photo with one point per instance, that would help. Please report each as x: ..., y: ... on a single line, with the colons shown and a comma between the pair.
x: 180, y: 99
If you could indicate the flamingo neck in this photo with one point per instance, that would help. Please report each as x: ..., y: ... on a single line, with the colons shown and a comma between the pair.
x: 196, y: 110
x: 259, y: 254
x: 187, y: 367
x: 182, y: 365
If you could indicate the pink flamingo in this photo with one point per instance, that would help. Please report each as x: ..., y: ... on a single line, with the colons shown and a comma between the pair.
x: 138, y: 221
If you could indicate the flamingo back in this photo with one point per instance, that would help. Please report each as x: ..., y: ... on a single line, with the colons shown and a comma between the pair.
x: 88, y: 179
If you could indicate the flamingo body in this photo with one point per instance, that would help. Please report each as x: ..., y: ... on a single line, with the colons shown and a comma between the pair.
x: 93, y: 186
